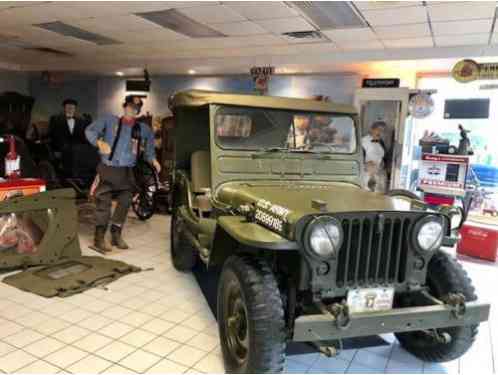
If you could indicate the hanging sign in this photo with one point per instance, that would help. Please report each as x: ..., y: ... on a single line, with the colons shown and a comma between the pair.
x: 375, y: 83
x: 468, y: 70
x: 261, y: 76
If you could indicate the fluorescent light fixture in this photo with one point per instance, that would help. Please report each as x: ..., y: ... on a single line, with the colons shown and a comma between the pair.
x: 178, y: 22
x: 75, y: 32
x: 120, y: 74
x: 329, y: 15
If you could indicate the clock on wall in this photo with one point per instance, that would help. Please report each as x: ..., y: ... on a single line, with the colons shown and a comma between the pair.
x: 421, y: 105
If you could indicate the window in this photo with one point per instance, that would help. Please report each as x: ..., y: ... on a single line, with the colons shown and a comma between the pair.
x: 243, y: 128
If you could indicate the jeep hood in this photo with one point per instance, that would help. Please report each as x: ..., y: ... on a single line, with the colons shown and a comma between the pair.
x: 298, y: 198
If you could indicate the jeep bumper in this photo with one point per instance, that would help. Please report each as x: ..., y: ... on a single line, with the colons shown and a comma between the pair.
x: 323, y: 326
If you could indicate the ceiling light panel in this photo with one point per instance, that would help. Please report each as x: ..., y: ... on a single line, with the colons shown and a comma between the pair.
x: 178, y: 22
x: 364, y: 5
x: 75, y: 32
x: 330, y: 14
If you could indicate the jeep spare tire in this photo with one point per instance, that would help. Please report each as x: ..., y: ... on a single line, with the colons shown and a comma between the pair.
x: 444, y: 276
x: 250, y: 317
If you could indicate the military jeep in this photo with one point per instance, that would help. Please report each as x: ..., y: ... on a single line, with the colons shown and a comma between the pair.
x: 268, y: 189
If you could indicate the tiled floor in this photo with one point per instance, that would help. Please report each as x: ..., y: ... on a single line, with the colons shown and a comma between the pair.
x: 158, y: 322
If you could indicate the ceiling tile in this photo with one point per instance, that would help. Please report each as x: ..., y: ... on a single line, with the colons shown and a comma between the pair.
x: 238, y: 28
x: 212, y: 14
x: 408, y: 42
x: 452, y: 11
x: 458, y: 27
x: 262, y: 10
x: 350, y: 35
x: 361, y: 45
x: 395, y: 16
x: 461, y: 40
x: 385, y: 4
x: 414, y: 30
x: 285, y: 25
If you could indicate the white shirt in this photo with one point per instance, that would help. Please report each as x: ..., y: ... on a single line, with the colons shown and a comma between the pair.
x: 373, y: 150
x: 70, y: 124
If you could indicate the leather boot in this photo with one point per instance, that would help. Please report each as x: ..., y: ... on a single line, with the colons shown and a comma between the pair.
x: 117, y: 239
x: 99, y: 240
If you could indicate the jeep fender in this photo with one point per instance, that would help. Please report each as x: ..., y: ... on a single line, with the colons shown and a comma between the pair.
x: 235, y: 233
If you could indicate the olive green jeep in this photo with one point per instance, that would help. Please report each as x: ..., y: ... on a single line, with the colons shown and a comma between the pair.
x: 269, y: 189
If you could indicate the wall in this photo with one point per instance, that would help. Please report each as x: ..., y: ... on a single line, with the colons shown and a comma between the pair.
x: 111, y: 90
x: 14, y: 81
x: 48, y: 99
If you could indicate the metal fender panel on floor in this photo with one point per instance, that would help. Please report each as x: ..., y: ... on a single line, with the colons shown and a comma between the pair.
x: 70, y: 276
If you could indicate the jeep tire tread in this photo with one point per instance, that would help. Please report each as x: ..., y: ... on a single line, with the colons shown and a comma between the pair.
x: 183, y: 253
x: 445, y: 275
x: 262, y: 305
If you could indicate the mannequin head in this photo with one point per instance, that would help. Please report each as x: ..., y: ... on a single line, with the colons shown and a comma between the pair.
x: 69, y: 106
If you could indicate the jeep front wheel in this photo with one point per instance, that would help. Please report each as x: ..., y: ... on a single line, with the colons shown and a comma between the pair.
x: 183, y: 254
x: 250, y: 317
x: 444, y: 276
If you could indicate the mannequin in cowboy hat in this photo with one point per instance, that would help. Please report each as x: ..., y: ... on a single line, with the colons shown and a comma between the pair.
x: 119, y: 140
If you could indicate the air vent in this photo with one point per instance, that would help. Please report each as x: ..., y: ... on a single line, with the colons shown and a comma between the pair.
x: 49, y: 51
x: 178, y: 22
x: 311, y: 35
x: 75, y: 32
x: 328, y: 15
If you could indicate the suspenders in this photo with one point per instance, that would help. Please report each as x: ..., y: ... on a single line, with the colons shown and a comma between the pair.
x: 135, y: 134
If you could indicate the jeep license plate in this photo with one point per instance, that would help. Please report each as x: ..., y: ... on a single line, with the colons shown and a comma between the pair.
x: 370, y: 300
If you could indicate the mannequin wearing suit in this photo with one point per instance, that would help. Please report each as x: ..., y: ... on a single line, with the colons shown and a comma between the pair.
x: 65, y: 131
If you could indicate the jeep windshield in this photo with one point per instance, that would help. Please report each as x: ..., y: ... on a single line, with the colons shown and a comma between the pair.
x: 274, y: 130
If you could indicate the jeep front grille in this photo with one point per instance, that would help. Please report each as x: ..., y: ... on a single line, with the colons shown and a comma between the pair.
x: 374, y: 251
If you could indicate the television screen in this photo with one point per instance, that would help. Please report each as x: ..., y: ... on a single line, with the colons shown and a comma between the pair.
x: 466, y: 108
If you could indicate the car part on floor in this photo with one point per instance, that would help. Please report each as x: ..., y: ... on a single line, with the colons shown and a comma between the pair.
x: 39, y: 229
x: 70, y: 276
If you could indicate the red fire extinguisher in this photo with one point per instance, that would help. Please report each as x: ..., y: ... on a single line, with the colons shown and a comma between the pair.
x: 12, y: 159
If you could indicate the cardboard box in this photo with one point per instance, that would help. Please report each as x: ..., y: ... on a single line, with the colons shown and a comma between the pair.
x: 479, y: 241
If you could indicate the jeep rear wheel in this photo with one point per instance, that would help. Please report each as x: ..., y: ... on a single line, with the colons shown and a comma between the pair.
x: 444, y: 276
x: 250, y: 317
x: 183, y: 253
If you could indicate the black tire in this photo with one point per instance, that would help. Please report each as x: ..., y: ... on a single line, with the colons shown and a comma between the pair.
x: 147, y: 182
x: 183, y: 254
x: 445, y: 275
x: 259, y: 341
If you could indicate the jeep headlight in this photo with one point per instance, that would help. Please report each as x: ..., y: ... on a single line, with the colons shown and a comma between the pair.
x: 324, y: 237
x: 429, y: 233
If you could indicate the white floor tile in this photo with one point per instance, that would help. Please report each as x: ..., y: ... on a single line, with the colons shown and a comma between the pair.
x: 15, y: 360
x: 23, y: 338
x: 138, y: 338
x: 180, y: 334
x: 187, y: 355
x: 157, y: 326
x: 71, y: 334
x: 89, y: 365
x: 39, y: 367
x: 210, y: 364
x: 116, y: 330
x: 66, y: 356
x: 204, y: 342
x: 140, y: 360
x: 161, y: 346
x: 166, y: 366
x: 44, y: 347
x: 92, y: 342
x: 115, y: 351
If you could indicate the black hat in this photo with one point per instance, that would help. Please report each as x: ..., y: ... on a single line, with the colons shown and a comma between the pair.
x: 378, y: 124
x: 69, y: 101
x: 130, y: 99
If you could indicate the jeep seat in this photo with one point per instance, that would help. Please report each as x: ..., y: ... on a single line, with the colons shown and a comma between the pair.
x: 200, y: 170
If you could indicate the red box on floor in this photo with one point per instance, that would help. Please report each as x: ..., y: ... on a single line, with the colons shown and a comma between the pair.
x: 20, y: 187
x: 479, y: 241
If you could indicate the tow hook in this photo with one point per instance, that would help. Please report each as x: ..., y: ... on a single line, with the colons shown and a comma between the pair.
x: 340, y: 312
x: 439, y: 337
x: 327, y: 348
x: 457, y: 303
